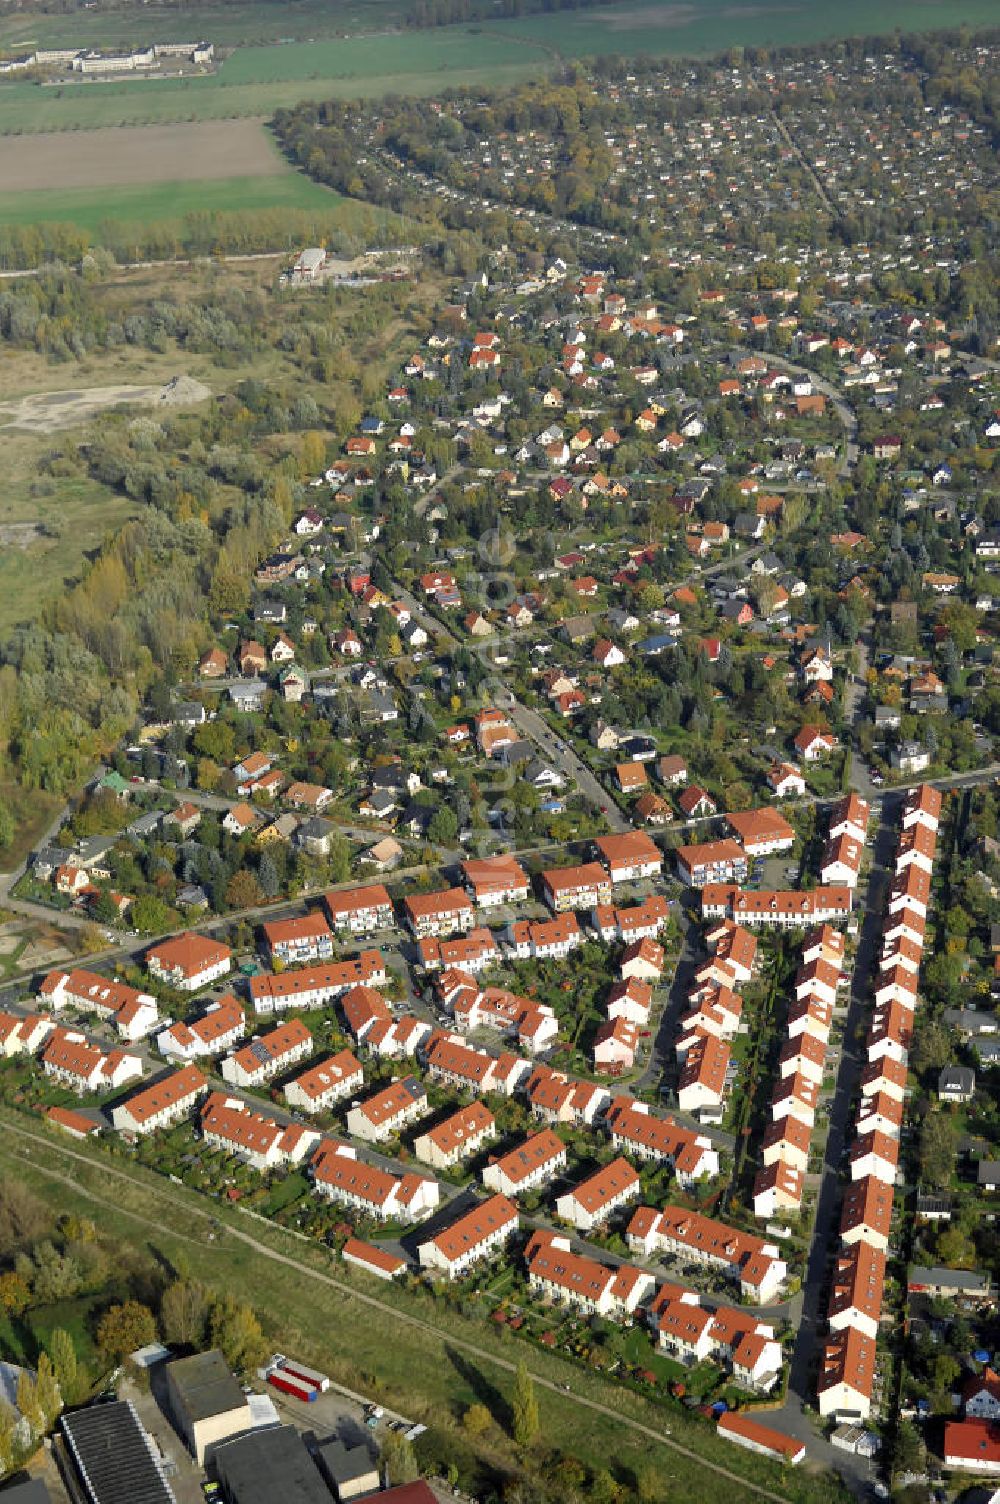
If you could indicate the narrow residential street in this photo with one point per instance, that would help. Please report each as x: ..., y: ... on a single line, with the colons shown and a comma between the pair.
x: 792, y: 1418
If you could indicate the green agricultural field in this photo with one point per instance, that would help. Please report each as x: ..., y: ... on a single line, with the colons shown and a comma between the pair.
x: 703, y: 27
x: 261, y: 76
x: 450, y: 52
x: 226, y: 25
x: 165, y: 203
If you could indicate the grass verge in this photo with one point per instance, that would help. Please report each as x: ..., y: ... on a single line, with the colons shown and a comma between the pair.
x: 416, y: 1353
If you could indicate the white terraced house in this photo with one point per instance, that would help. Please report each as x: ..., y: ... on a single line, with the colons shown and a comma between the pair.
x: 161, y: 1103
x: 360, y: 911
x: 329, y: 1081
x: 476, y: 1235
x: 530, y: 1164
x: 268, y: 1055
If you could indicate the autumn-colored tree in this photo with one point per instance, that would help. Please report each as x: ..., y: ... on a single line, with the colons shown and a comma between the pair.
x: 476, y: 1420
x: 235, y: 1330
x: 243, y: 891
x: 47, y: 1391
x: 15, y: 1296
x: 184, y: 1313
x: 125, y: 1327
x: 524, y: 1407
x: 313, y: 454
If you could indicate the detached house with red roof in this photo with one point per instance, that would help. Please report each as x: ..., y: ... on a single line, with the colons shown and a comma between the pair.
x: 813, y: 743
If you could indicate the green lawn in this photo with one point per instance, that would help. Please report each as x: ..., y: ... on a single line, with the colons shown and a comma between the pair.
x: 446, y: 51
x: 313, y: 1305
x: 283, y: 1194
x: 165, y: 203
x: 76, y: 518
x: 708, y: 26
x: 77, y: 1317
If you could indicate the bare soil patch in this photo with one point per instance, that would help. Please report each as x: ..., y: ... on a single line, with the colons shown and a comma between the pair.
x: 48, y: 412
x: 141, y: 154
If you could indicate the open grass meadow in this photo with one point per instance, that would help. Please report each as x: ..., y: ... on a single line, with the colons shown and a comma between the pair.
x: 417, y: 1355
x: 167, y: 204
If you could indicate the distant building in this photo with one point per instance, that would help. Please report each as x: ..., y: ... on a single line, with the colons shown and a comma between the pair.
x: 309, y: 263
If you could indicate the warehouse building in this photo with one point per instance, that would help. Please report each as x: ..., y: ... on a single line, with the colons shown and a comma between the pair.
x: 207, y: 1404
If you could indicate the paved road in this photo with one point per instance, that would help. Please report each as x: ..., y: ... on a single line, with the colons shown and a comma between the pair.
x: 806, y: 165
x: 810, y: 1334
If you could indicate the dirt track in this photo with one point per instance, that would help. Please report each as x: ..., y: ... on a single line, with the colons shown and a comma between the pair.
x: 138, y: 155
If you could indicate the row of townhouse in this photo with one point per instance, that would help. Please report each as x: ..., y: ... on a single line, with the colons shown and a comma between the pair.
x: 754, y: 833
x: 780, y: 1182
x: 337, y: 1174
x: 229, y: 1124
x: 703, y: 1044
x: 628, y: 1008
x: 23, y: 1036
x: 595, y: 1200
x: 476, y: 1234
x: 211, y: 1033
x: 293, y: 942
x: 840, y: 863
x: 314, y: 986
x: 776, y: 908
x: 528, y: 1165
x: 638, y: 1131
x: 268, y: 1054
x: 371, y: 1021
x: 470, y: 953
x: 532, y: 1025
x: 557, y: 1274
x: 751, y: 1262
x: 846, y: 1384
x: 388, y: 1111
x: 459, y: 1135
x: 620, y: 858
x: 691, y: 1334
x: 70, y: 1059
x: 544, y: 939
x: 640, y: 921
x: 326, y: 1082
x: 161, y: 1103
x: 133, y: 1014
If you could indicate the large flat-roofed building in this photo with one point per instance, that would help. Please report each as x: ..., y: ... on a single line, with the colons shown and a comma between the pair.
x: 352, y: 1472
x: 269, y: 1466
x: 207, y: 1403
x: 113, y: 1456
